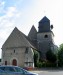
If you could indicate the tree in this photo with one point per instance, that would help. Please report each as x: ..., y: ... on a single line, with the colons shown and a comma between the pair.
x: 50, y: 56
x: 60, y: 55
x: 36, y: 57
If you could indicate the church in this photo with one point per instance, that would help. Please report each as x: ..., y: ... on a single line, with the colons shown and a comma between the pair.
x: 18, y: 49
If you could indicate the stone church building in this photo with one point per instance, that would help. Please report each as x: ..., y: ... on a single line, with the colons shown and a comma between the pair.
x: 18, y: 48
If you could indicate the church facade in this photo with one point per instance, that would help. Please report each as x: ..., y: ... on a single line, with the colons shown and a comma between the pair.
x: 18, y: 48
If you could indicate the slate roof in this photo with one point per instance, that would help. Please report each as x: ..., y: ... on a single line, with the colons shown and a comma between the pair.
x: 33, y: 36
x: 44, y: 19
x: 44, y: 25
x: 33, y: 33
x: 17, y: 39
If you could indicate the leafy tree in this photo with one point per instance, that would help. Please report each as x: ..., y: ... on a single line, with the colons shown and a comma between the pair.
x: 50, y: 56
x: 60, y: 55
x: 0, y: 60
x: 36, y: 57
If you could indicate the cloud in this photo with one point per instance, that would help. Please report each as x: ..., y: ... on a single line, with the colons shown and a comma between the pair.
x: 2, y: 3
x: 10, y: 14
x: 11, y: 11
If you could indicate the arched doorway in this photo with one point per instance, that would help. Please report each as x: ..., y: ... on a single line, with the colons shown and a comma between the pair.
x: 14, y: 62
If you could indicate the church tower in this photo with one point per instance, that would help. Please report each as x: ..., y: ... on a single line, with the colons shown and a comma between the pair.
x: 45, y: 37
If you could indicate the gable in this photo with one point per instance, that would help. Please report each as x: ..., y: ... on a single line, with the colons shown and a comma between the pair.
x: 16, y: 39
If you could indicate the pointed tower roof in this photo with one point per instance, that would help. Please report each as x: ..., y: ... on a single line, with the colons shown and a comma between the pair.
x: 44, y: 25
x: 44, y: 19
x: 16, y: 39
x: 33, y: 33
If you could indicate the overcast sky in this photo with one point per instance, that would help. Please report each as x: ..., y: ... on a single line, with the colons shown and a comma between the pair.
x: 25, y: 13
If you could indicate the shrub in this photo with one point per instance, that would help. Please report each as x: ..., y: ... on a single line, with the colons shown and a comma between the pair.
x: 50, y: 56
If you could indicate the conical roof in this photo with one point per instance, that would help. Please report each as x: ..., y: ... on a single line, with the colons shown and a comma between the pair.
x: 16, y: 39
x: 33, y: 33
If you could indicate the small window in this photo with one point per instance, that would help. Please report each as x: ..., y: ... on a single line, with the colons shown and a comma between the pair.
x: 26, y: 51
x: 14, y: 51
x: 5, y: 62
x: 46, y: 36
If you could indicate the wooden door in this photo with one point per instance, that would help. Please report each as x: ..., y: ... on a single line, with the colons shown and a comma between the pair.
x: 14, y: 62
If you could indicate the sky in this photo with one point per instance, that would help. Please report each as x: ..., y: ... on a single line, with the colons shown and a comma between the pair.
x: 25, y: 13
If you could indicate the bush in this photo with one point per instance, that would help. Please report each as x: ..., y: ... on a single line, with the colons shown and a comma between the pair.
x: 39, y: 64
x: 50, y: 56
x: 45, y: 64
x: 60, y: 56
x: 50, y: 64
